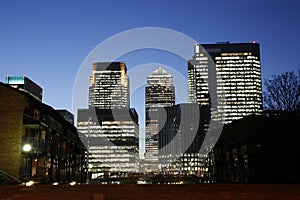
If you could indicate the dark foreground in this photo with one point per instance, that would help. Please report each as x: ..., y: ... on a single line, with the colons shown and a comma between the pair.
x: 139, y: 192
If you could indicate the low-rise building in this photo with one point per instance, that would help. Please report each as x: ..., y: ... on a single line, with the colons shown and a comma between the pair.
x: 259, y: 149
x: 36, y: 142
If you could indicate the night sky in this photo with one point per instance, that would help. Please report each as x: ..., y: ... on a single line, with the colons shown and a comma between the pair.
x: 49, y: 40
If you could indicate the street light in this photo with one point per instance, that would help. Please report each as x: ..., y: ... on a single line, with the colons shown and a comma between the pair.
x: 27, y: 147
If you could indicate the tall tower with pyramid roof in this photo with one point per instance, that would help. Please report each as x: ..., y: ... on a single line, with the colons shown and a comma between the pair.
x: 160, y: 92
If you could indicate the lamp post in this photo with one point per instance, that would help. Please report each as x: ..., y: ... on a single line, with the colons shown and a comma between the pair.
x: 27, y: 149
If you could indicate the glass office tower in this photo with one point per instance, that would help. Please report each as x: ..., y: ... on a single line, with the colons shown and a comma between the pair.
x: 182, y: 129
x: 226, y: 76
x: 109, y: 86
x: 109, y: 126
x: 111, y: 136
x: 160, y: 92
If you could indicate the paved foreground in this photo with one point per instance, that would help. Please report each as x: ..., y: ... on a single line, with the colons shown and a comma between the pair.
x: 140, y: 192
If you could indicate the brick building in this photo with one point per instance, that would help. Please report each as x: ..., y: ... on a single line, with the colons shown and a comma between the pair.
x: 37, y: 142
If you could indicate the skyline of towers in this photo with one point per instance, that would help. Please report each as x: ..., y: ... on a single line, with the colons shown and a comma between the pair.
x: 113, y: 133
x: 226, y: 76
x: 223, y: 78
x: 159, y: 92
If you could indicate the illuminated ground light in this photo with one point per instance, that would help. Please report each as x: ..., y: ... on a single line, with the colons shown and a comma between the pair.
x: 73, y: 183
x: 29, y: 183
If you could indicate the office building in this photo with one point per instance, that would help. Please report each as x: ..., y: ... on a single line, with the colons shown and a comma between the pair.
x: 182, y: 131
x: 111, y: 137
x: 36, y: 142
x: 109, y: 127
x: 227, y: 77
x: 159, y: 92
x: 109, y: 86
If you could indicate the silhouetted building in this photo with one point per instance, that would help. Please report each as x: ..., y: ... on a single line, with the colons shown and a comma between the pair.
x: 36, y: 142
x: 259, y: 149
x: 67, y: 115
x: 109, y: 86
x: 160, y: 92
x: 226, y: 76
x: 182, y: 131
x: 25, y: 84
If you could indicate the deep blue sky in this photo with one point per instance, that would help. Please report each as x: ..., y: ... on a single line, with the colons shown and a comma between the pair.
x: 48, y: 40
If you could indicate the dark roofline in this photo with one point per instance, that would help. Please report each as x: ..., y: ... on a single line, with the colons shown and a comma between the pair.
x: 122, y: 114
x: 217, y: 48
x: 231, y: 43
x: 24, y: 77
x: 115, y: 66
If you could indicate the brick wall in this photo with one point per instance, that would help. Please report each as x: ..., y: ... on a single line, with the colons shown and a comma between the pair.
x: 11, y: 120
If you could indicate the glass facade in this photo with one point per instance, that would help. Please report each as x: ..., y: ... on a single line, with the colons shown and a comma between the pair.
x: 228, y: 74
x: 180, y: 137
x: 111, y: 137
x: 109, y: 86
x: 160, y: 92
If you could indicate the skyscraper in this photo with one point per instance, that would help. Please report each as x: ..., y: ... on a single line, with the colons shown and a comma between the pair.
x: 160, y: 92
x: 109, y: 126
x: 109, y: 86
x: 226, y: 76
x: 182, y: 129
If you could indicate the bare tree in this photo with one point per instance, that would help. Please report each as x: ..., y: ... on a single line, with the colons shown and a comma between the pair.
x: 282, y: 92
